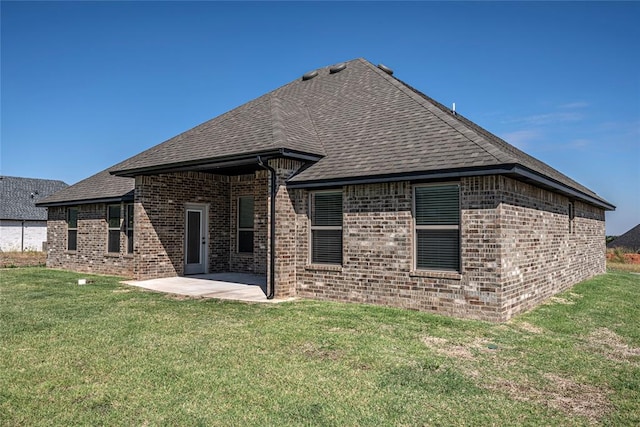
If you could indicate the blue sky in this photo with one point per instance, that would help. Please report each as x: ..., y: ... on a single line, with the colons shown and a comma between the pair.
x: 86, y: 85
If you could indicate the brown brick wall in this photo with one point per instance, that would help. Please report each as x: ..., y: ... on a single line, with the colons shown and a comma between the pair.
x: 91, y: 255
x: 516, y: 250
x: 517, y: 245
x: 540, y: 255
x: 160, y: 221
x: 159, y: 231
x: 286, y: 237
x: 255, y: 185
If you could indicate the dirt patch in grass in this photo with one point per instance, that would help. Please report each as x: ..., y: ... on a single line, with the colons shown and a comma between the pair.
x: 313, y: 350
x: 613, y: 347
x: 528, y: 327
x: 22, y: 259
x: 559, y: 300
x: 629, y: 258
x: 559, y: 393
x: 457, y: 350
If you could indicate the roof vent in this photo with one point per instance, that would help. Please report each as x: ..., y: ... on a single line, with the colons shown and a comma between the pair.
x: 310, y: 75
x: 337, y: 68
x: 385, y: 69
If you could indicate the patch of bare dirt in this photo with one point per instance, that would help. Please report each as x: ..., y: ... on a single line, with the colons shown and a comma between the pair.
x: 22, y: 259
x: 528, y: 327
x: 560, y: 300
x: 612, y: 346
x: 313, y: 350
x: 457, y: 350
x: 628, y: 258
x: 559, y: 393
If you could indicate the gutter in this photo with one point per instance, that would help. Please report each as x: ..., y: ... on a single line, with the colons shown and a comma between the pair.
x: 507, y: 169
x: 125, y: 198
x: 272, y: 225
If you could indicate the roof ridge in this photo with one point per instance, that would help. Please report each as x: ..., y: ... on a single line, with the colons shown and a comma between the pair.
x: 278, y: 133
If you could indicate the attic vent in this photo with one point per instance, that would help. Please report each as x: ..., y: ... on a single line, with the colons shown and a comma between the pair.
x: 337, y: 68
x: 310, y: 75
x: 385, y: 69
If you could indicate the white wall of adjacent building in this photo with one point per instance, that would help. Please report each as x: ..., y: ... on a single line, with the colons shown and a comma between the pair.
x: 22, y: 235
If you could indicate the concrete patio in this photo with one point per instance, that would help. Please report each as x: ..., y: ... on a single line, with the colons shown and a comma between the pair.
x: 227, y: 286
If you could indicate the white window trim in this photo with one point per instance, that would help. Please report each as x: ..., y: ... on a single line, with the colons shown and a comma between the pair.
x: 239, y: 229
x: 417, y: 227
x: 312, y: 227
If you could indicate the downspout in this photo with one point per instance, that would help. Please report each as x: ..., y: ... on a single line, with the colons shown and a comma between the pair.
x: 22, y: 237
x: 272, y: 240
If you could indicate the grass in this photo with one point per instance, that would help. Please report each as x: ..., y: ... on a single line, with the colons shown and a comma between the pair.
x: 105, y: 354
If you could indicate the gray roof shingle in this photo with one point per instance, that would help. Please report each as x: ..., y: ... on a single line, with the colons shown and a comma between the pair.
x: 358, y: 123
x: 361, y: 121
x: 18, y: 197
x: 100, y: 187
x: 629, y: 240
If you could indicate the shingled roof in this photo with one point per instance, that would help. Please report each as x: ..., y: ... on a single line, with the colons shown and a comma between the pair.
x: 359, y: 124
x: 629, y: 240
x: 18, y: 197
x: 355, y: 123
x: 99, y: 188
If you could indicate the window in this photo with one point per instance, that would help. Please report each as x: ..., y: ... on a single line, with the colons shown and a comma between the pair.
x: 326, y: 227
x: 572, y: 215
x: 245, y: 224
x: 128, y: 227
x: 113, y: 219
x: 72, y: 229
x: 437, y: 220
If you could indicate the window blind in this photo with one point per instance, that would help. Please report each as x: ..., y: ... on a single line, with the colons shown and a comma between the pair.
x: 326, y: 227
x: 437, y: 219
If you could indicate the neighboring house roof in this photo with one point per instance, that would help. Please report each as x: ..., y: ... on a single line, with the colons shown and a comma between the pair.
x: 360, y: 124
x: 18, y: 197
x: 99, y: 188
x: 629, y: 240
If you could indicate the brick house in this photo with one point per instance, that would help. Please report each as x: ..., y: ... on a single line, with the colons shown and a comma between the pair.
x: 380, y: 195
x: 23, y: 225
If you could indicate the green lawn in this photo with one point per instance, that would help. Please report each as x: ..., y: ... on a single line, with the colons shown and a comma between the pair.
x: 106, y: 354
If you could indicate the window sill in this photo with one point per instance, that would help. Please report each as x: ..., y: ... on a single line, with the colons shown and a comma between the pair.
x: 70, y: 252
x: 112, y: 255
x: 244, y: 254
x: 433, y: 274
x: 323, y: 267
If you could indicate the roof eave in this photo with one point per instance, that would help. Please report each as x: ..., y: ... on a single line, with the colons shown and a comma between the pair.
x: 515, y: 170
x: 125, y: 198
x: 545, y: 181
x: 217, y: 163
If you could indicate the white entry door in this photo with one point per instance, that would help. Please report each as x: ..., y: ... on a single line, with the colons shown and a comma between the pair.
x: 195, y: 245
